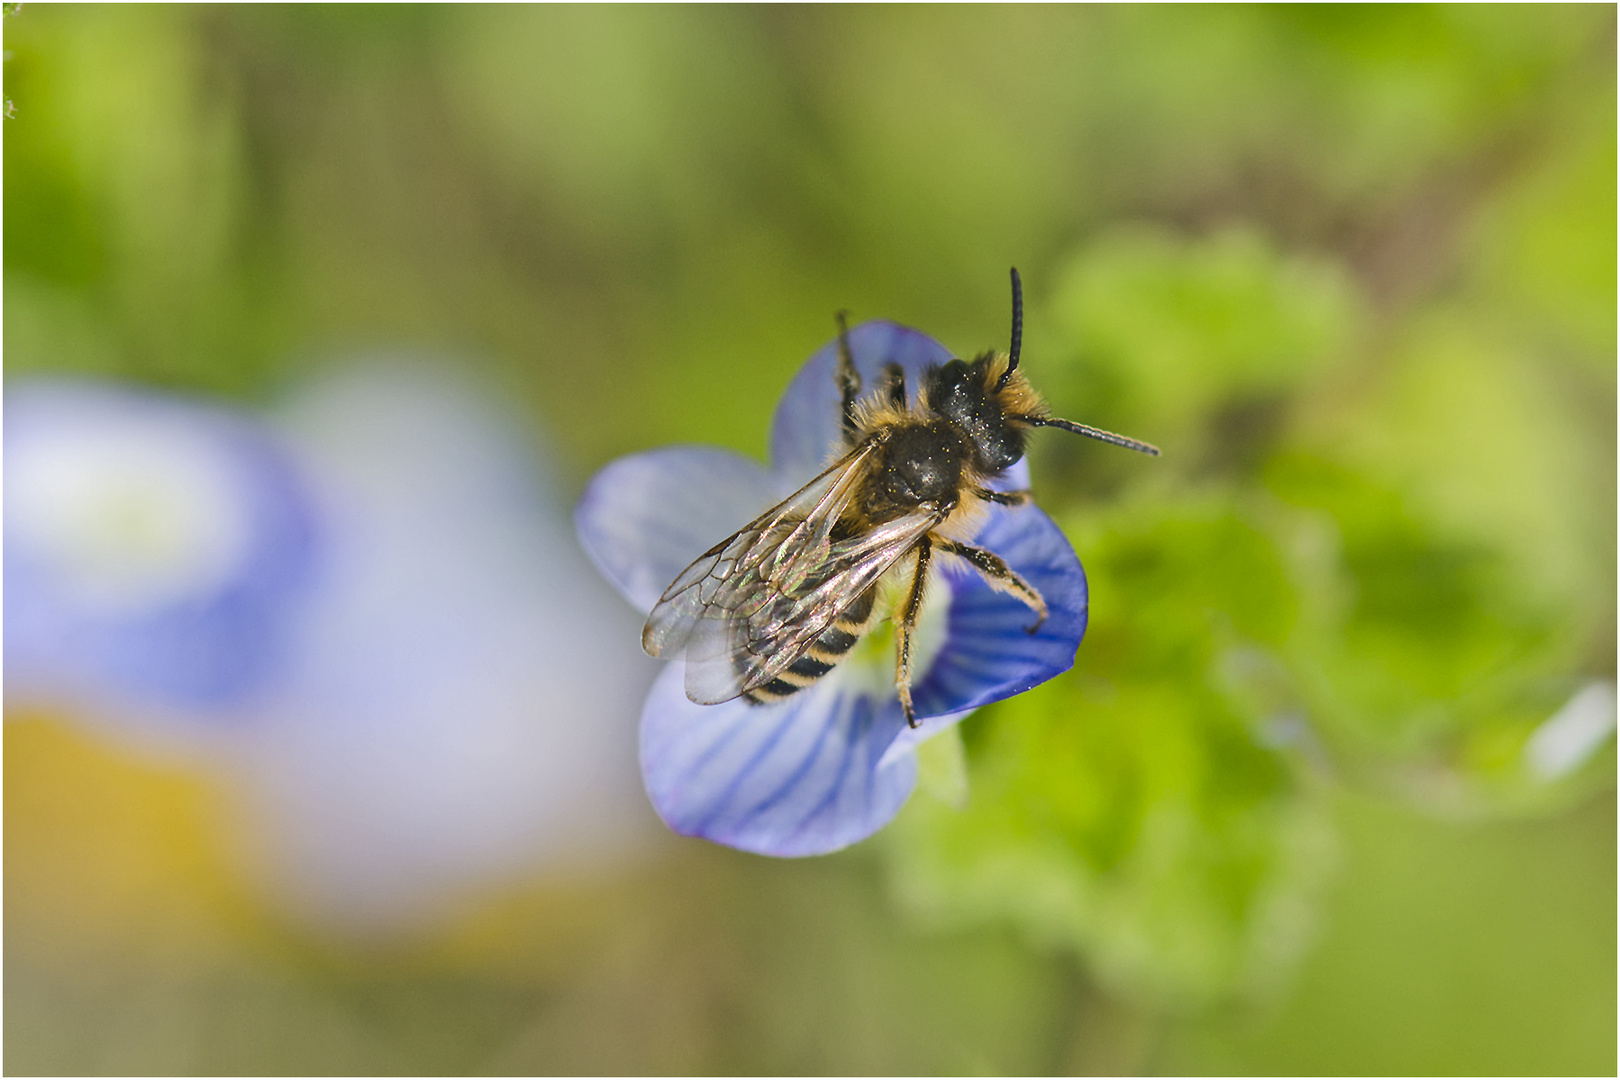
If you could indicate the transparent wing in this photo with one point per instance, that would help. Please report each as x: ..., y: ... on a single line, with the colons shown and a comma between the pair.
x: 729, y: 579
x: 750, y: 606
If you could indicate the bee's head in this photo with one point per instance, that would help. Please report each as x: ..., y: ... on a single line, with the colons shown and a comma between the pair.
x: 972, y: 396
x: 977, y: 396
x: 994, y: 405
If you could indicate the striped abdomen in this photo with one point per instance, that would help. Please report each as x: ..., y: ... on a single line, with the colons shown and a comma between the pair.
x: 831, y: 647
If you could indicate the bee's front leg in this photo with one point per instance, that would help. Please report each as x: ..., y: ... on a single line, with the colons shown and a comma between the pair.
x: 1002, y: 498
x: 905, y: 624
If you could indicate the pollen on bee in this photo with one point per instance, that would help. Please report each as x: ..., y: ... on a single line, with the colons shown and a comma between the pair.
x: 965, y: 521
x: 1018, y: 397
x: 876, y: 415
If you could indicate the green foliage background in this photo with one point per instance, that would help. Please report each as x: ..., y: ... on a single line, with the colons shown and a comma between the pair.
x: 1352, y: 268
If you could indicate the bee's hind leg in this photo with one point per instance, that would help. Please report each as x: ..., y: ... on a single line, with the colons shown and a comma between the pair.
x: 847, y: 378
x: 1000, y: 576
x: 904, y: 624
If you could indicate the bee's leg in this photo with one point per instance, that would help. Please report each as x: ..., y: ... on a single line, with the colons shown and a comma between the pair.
x: 893, y: 387
x: 1002, y: 498
x: 847, y: 378
x: 905, y: 624
x: 1000, y: 576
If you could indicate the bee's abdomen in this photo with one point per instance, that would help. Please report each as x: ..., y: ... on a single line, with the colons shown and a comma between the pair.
x: 822, y: 656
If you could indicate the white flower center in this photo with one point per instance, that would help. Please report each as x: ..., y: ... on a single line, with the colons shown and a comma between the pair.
x: 129, y: 515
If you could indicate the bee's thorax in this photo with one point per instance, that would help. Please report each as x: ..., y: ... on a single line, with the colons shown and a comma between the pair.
x: 918, y: 464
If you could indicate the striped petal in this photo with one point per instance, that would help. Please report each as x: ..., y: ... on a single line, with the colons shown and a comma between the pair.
x: 834, y: 763
x: 803, y: 777
x: 989, y: 651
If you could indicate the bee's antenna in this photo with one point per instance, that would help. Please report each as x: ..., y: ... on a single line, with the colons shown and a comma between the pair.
x: 1092, y: 433
x: 1017, y: 331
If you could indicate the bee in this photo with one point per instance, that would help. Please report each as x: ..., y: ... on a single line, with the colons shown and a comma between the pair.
x: 776, y: 605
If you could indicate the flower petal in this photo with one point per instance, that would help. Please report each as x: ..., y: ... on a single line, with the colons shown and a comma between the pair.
x: 803, y: 777
x: 989, y: 653
x: 644, y: 518
x: 808, y: 421
x: 832, y: 764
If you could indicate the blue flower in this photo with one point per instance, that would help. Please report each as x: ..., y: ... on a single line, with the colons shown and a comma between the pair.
x: 834, y: 763
x: 156, y: 551
x: 364, y: 609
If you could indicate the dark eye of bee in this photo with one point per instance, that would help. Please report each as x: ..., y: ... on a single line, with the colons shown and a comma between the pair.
x: 957, y: 391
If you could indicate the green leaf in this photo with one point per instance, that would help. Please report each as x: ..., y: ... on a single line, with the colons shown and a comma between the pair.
x: 1139, y: 810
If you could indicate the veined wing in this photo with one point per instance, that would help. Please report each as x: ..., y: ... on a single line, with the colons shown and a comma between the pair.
x: 727, y: 657
x: 727, y: 580
x: 749, y: 607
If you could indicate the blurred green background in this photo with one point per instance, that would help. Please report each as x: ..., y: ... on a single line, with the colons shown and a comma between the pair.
x: 1352, y: 268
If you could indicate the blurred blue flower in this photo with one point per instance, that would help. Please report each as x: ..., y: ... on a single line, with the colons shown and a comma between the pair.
x: 834, y: 763
x: 366, y: 608
x: 461, y: 707
x: 156, y: 550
